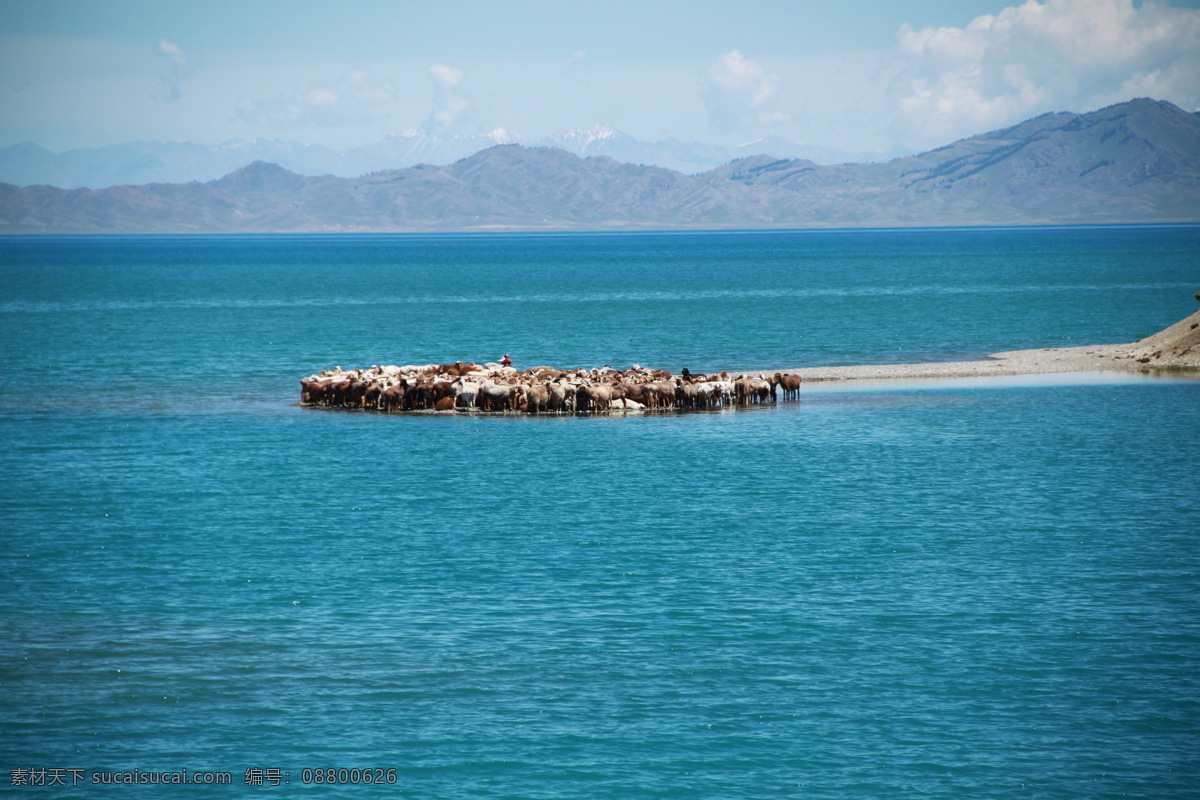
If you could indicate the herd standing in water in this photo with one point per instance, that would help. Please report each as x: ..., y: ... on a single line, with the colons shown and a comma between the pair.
x: 499, y: 388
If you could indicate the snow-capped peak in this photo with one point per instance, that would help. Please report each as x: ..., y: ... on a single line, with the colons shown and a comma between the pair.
x: 582, y: 137
x: 503, y: 136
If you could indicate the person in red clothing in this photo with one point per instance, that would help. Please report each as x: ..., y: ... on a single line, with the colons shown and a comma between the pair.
x: 506, y: 361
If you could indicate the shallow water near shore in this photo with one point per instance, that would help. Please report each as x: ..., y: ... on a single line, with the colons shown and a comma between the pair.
x: 943, y: 589
x: 1045, y: 379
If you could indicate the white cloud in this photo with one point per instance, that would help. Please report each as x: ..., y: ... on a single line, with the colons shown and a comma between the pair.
x: 322, y: 97
x: 448, y: 105
x: 738, y: 94
x: 175, y: 69
x: 173, y: 52
x: 353, y: 97
x: 1043, y: 56
x: 446, y: 77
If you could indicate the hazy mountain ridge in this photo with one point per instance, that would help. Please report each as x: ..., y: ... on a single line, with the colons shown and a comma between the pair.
x: 1132, y: 162
x: 135, y: 163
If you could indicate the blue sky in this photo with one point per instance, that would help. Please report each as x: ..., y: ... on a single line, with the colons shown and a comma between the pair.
x: 855, y: 75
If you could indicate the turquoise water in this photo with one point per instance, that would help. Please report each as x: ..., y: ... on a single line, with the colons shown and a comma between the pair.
x: 969, y: 589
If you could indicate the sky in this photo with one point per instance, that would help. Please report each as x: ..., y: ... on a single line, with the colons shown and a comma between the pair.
x: 849, y: 75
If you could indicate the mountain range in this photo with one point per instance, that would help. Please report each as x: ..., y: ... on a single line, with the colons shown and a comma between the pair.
x: 1135, y: 162
x: 132, y: 163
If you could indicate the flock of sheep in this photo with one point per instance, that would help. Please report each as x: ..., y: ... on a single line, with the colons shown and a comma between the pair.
x: 540, y: 390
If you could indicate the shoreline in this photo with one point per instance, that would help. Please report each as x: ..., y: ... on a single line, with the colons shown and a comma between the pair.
x: 547, y: 390
x: 1174, y: 351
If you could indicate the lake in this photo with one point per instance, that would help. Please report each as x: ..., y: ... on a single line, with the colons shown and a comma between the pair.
x: 938, y: 589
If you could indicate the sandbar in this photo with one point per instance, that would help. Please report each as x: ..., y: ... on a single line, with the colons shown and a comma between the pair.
x: 1174, y: 350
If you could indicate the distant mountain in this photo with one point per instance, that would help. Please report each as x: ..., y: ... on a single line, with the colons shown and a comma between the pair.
x: 1132, y: 162
x: 163, y: 162
x: 417, y: 147
x: 180, y: 162
x: 1135, y: 162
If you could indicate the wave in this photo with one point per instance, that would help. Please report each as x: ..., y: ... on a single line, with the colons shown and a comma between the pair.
x: 698, y: 295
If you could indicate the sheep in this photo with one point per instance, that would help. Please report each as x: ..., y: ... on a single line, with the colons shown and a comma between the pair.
x: 538, y: 390
x: 465, y: 393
